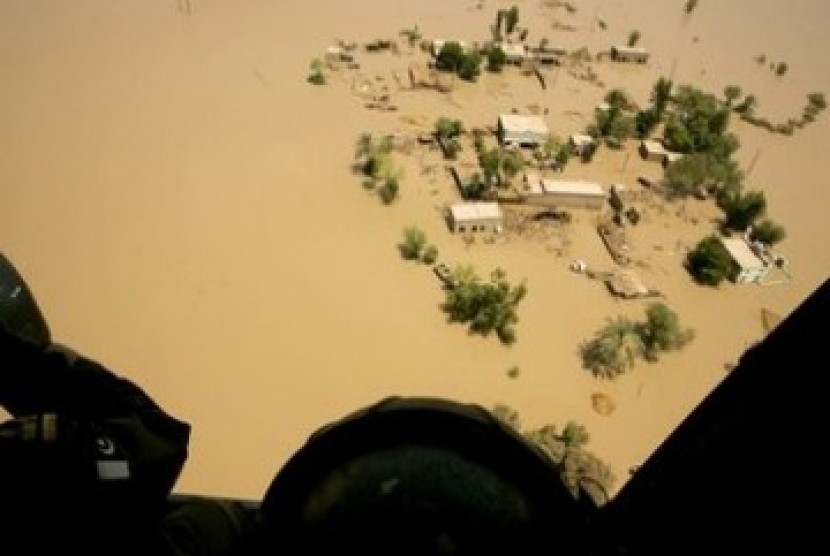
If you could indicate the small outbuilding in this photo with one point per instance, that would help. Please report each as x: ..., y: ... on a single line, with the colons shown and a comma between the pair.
x: 653, y: 150
x: 749, y: 265
x: 629, y: 54
x: 515, y: 53
x: 476, y: 216
x: 522, y: 130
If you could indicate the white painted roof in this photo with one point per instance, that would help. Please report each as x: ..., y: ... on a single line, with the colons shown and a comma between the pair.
x: 586, y: 188
x: 476, y: 211
x: 519, y: 123
x: 742, y: 254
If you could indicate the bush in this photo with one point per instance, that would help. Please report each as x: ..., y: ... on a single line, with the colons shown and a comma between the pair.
x: 447, y: 128
x: 662, y: 331
x: 613, y: 349
x: 743, y: 209
x: 316, y: 74
x: 414, y: 240
x: 429, y: 255
x: 389, y: 190
x: 781, y: 68
x: 496, y: 59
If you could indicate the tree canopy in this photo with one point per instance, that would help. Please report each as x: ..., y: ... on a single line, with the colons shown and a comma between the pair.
x: 454, y: 58
x: 709, y: 262
x: 487, y: 306
x: 741, y: 210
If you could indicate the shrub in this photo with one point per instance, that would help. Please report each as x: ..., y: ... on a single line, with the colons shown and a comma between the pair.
x: 709, y: 262
x: 429, y: 255
x: 414, y: 240
x: 389, y: 190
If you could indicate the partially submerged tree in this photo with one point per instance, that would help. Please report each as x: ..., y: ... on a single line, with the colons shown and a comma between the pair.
x: 767, y: 232
x: 316, y: 72
x: 414, y: 241
x: 700, y: 172
x: 454, y: 58
x: 511, y: 19
x: 496, y: 58
x: 662, y: 331
x: 486, y: 306
x: 709, y: 262
x: 613, y: 349
x: 448, y: 128
x: 741, y: 210
x: 732, y: 93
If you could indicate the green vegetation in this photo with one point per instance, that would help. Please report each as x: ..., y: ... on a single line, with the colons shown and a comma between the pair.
x: 446, y: 128
x: 580, y: 471
x: 662, y: 331
x: 511, y: 19
x: 700, y: 173
x: 614, y: 348
x: 496, y: 59
x: 709, y: 262
x: 699, y: 123
x: 767, y: 232
x: 633, y: 38
x: 732, y: 93
x: 413, y: 244
x: 388, y: 192
x: 412, y: 35
x: 316, y: 75
x: 454, y: 58
x: 373, y: 159
x: 741, y: 210
x: 485, y: 306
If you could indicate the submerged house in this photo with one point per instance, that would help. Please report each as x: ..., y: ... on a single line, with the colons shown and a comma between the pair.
x: 629, y: 54
x: 476, y: 216
x: 749, y: 265
x: 522, y: 130
x: 561, y: 193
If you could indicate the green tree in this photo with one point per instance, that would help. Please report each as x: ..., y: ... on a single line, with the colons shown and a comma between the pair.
x: 747, y: 106
x: 317, y: 74
x: 490, y: 164
x: 645, y: 122
x: 447, y: 128
x: 512, y: 163
x: 476, y: 188
x: 633, y: 38
x: 617, y: 98
x: 414, y: 241
x: 429, y: 254
x: 660, y: 95
x: 511, y: 19
x: 698, y: 124
x: 574, y: 435
x: 486, y: 306
x: 732, y: 93
x: 496, y: 59
x: 700, y: 172
x: 662, y: 331
x: 469, y: 66
x: 709, y: 262
x: 613, y: 349
x: 742, y: 209
x: 767, y: 232
x: 373, y: 156
x: 388, y: 192
x: 450, y: 56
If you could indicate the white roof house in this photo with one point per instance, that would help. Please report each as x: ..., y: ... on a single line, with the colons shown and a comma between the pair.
x: 476, y: 216
x: 577, y: 194
x: 750, y: 266
x: 576, y: 188
x: 652, y: 149
x: 522, y: 130
x: 629, y: 54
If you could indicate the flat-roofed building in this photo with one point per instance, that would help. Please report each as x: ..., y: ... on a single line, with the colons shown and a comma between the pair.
x: 562, y: 193
x: 476, y: 216
x: 515, y: 53
x: 522, y: 130
x: 749, y: 266
x: 629, y: 54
